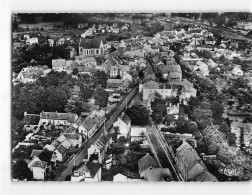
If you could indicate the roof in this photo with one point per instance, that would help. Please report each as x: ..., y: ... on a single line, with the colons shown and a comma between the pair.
x: 206, y: 176
x: 35, y: 153
x: 61, y: 149
x: 40, y: 164
x: 93, y: 168
x: 102, y: 141
x: 151, y: 85
x: 114, y: 83
x: 171, y: 68
x: 56, y: 143
x: 146, y: 162
x: 31, y: 119
x: 92, y: 43
x: 72, y: 136
x: 125, y: 118
x: 71, y: 129
x: 188, y: 156
x: 58, y: 62
x: 157, y: 174
x: 59, y: 116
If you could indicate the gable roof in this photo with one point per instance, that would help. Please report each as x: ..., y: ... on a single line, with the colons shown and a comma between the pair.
x: 151, y: 85
x: 94, y: 43
x: 59, y: 116
x: 40, y: 164
x: 31, y: 119
x: 125, y: 118
x: 72, y: 136
x: 206, y: 176
x: 61, y: 149
x: 188, y: 156
x: 146, y: 162
x: 35, y: 153
x: 93, y: 168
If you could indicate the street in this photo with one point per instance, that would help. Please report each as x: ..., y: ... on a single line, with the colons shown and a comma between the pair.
x: 67, y: 169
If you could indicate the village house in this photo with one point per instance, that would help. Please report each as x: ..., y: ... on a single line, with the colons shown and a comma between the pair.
x: 59, y: 65
x: 171, y: 72
x: 64, y: 119
x: 86, y: 61
x: 114, y: 84
x: 201, y: 68
x: 137, y: 133
x: 87, y: 171
x: 190, y: 164
x: 124, y: 125
x: 31, y: 41
x: 38, y: 168
x: 31, y: 73
x: 31, y: 121
x: 145, y: 163
x: 95, y: 46
x: 243, y: 133
x: 88, y: 126
x: 100, y: 147
x: 152, y: 87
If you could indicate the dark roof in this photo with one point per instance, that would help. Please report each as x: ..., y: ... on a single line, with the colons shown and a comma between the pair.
x: 206, y: 176
x: 56, y: 143
x: 146, y: 162
x: 35, y: 153
x: 61, y: 149
x: 31, y: 119
x: 89, y: 123
x: 72, y: 136
x: 93, y: 168
x: 59, y: 116
x: 45, y: 155
x: 92, y: 43
x: 125, y: 118
x: 71, y: 129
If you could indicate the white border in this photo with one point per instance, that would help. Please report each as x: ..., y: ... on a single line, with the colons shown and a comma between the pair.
x: 12, y: 6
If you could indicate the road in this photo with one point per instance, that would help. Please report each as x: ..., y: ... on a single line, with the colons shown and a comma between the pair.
x: 66, y: 169
x: 163, y: 155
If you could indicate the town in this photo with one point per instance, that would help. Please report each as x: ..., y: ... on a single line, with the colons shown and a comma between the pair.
x: 132, y: 97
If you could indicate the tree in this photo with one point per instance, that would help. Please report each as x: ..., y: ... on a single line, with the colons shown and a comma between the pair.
x: 158, y: 105
x: 75, y: 71
x: 99, y: 78
x: 21, y: 171
x: 70, y: 106
x: 86, y: 93
x: 157, y: 117
x: 101, y: 97
x: 138, y: 114
x: 217, y: 109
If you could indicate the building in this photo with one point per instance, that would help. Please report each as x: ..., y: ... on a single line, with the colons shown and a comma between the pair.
x: 65, y: 119
x: 100, y: 147
x: 137, y: 133
x: 31, y: 121
x: 87, y: 171
x: 171, y: 72
x: 31, y: 41
x: 124, y: 124
x: 59, y: 65
x: 237, y: 71
x: 95, y: 46
x: 201, y: 68
x: 190, y: 164
x: 146, y: 163
x: 88, y: 126
x: 32, y: 73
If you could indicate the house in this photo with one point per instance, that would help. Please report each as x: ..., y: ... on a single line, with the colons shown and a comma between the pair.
x: 91, y: 123
x: 242, y: 133
x: 86, y: 61
x: 127, y: 76
x: 114, y: 84
x: 125, y: 86
x: 201, y: 68
x: 38, y: 169
x: 158, y: 174
x: 65, y: 119
x: 100, y: 147
x: 189, y: 163
x: 145, y: 163
x: 171, y: 72
x: 31, y: 73
x: 31, y: 121
x: 124, y: 124
x: 137, y: 133
x: 237, y: 71
x: 82, y: 25
x: 87, y: 171
x: 114, y: 71
x: 135, y: 53
x: 95, y: 46
x: 31, y: 41
x: 59, y: 65
x: 123, y: 69
x: 75, y: 140
x: 120, y: 178
x: 206, y: 176
x: 50, y: 42
x: 35, y: 153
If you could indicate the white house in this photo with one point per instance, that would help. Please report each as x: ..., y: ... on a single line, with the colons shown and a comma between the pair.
x: 65, y: 119
x: 137, y: 133
x: 145, y: 163
x: 87, y: 171
x: 31, y: 41
x: 120, y: 178
x: 124, y: 124
x: 201, y: 68
x: 59, y: 65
